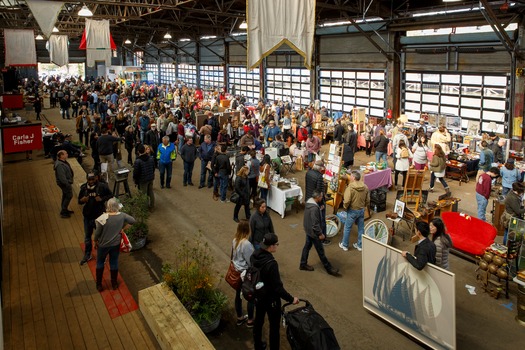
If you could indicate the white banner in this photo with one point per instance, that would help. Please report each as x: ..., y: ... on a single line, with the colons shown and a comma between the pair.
x: 273, y: 23
x: 45, y: 13
x: 20, y: 47
x: 98, y: 46
x: 58, y: 49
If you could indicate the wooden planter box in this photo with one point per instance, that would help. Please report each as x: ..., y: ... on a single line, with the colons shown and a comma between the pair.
x: 169, y: 321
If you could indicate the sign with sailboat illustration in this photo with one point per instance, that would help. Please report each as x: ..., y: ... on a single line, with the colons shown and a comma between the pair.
x: 421, y: 303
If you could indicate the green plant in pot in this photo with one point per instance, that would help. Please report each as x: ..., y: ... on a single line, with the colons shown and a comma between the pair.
x: 193, y: 280
x: 137, y: 206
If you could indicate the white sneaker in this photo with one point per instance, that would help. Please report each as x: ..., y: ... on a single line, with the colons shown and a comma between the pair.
x: 343, y: 247
x: 357, y: 247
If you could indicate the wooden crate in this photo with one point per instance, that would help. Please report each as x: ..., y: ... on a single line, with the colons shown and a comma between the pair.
x: 169, y: 321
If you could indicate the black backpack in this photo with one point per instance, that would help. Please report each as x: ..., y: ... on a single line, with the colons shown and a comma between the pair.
x: 251, y: 288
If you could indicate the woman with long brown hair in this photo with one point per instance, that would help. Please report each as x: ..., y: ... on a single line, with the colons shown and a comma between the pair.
x: 437, y: 168
x: 242, y: 251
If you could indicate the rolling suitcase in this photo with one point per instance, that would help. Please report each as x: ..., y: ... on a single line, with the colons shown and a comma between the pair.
x: 307, y: 330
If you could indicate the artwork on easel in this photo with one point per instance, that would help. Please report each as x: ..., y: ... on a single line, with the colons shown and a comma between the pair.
x: 399, y: 208
x: 333, y: 167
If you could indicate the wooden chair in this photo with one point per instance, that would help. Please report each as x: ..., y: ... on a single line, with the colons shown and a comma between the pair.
x: 412, y: 191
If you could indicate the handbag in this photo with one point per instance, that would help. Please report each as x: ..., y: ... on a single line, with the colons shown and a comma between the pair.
x: 234, y: 198
x: 125, y: 245
x: 262, y: 179
x: 208, y: 165
x: 233, y: 277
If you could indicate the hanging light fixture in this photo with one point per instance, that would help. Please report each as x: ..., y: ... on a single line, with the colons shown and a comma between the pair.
x: 243, y: 25
x: 85, y: 12
x: 39, y: 37
x: 55, y: 30
x: 167, y: 36
x: 127, y: 41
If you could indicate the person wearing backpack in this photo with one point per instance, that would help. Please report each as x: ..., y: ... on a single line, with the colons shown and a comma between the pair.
x: 270, y: 295
x: 403, y: 155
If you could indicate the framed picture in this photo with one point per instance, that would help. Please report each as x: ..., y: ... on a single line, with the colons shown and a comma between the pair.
x: 399, y: 208
x: 286, y: 159
x: 420, y: 303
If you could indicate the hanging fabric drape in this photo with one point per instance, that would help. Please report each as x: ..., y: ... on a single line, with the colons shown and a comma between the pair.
x: 58, y: 49
x: 273, y: 23
x: 45, y: 13
x: 97, y: 42
x: 20, y: 47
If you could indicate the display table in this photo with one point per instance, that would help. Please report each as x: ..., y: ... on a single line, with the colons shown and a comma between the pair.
x: 378, y: 179
x: 277, y: 198
x: 457, y: 171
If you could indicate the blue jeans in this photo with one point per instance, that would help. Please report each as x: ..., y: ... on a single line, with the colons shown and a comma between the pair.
x: 89, y: 226
x: 482, y: 206
x: 203, y: 174
x: 505, y: 190
x: 188, y: 171
x: 223, y: 178
x: 65, y: 113
x: 433, y: 180
x: 352, y: 216
x: 263, y: 193
x: 381, y: 155
x: 181, y: 141
x: 113, y: 252
x: 165, y: 168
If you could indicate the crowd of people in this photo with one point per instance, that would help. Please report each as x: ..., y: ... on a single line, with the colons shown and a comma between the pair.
x: 156, y: 124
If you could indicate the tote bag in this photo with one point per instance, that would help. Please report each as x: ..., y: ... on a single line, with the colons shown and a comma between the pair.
x: 262, y: 179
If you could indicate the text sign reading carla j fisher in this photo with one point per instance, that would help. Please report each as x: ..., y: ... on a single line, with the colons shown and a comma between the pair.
x: 23, y: 138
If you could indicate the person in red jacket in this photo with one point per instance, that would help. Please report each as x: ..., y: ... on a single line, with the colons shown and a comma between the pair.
x: 483, y: 188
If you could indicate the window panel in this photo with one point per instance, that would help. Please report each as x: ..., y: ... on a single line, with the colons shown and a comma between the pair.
x: 474, y: 97
x: 289, y: 82
x: 354, y: 89
x: 247, y: 83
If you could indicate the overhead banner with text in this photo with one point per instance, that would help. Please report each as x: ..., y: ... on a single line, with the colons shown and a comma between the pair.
x: 276, y: 22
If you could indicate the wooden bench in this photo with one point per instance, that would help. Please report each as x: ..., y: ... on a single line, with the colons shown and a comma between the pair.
x: 169, y: 321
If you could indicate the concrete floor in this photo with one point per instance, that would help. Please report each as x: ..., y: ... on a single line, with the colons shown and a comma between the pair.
x: 184, y: 213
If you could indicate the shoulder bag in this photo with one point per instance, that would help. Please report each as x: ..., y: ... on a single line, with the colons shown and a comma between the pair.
x: 125, y: 245
x: 233, y: 277
x: 262, y: 178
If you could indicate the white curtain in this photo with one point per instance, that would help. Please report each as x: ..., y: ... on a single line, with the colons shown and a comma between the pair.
x: 58, y: 49
x: 98, y: 47
x: 20, y: 47
x: 45, y: 13
x: 273, y: 23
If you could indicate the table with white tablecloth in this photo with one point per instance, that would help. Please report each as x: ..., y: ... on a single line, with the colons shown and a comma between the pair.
x: 277, y: 198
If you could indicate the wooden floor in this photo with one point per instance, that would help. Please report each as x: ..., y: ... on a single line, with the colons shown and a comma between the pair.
x: 49, y: 300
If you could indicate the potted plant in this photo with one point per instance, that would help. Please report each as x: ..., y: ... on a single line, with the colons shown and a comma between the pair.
x: 137, y: 206
x: 193, y: 279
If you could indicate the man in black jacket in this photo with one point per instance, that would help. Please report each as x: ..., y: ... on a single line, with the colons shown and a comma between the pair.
x: 222, y: 170
x: 105, y: 149
x: 314, y: 234
x: 64, y: 177
x: 314, y: 182
x: 188, y: 153
x: 339, y: 130
x: 270, y: 302
x: 93, y: 195
x: 425, y: 251
x: 144, y: 174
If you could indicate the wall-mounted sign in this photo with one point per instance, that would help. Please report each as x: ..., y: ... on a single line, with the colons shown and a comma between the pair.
x: 22, y: 138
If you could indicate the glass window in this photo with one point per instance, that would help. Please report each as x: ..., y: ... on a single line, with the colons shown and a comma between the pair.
x: 154, y: 69
x: 362, y: 89
x: 211, y: 77
x: 187, y: 75
x: 470, y: 96
x: 247, y: 83
x: 294, y: 83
